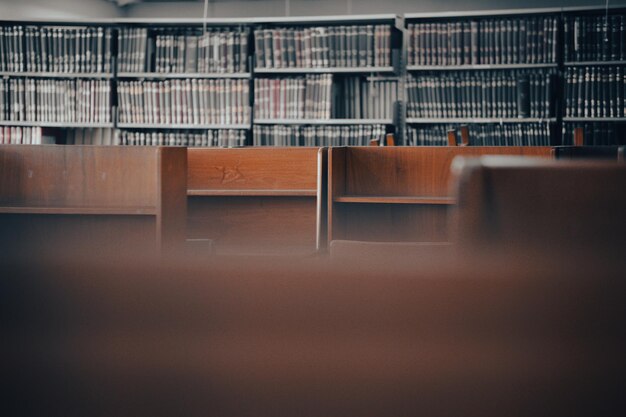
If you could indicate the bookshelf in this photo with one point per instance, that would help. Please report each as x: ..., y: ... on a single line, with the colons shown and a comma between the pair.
x: 266, y: 74
x: 495, y: 72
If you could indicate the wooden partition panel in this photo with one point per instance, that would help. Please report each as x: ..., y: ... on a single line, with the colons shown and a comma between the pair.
x: 79, y: 177
x: 257, y: 200
x: 542, y: 204
x: 397, y: 193
x: 106, y: 198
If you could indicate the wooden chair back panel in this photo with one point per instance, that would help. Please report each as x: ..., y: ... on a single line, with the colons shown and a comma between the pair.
x: 412, y: 171
x: 80, y: 176
x: 562, y: 203
x: 253, y: 169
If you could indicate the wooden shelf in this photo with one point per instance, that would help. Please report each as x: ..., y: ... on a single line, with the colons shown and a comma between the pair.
x: 253, y: 193
x: 594, y: 119
x: 166, y: 75
x: 181, y: 127
x: 104, y: 211
x: 323, y: 121
x: 69, y: 125
x: 592, y: 63
x: 328, y: 70
x: 394, y: 200
x: 480, y: 120
x: 33, y: 74
x: 478, y: 67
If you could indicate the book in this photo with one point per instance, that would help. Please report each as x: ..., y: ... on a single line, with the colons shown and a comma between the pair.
x: 594, y: 38
x: 594, y: 91
x: 184, y: 102
x: 15, y: 135
x: 55, y: 49
x: 325, y: 96
x: 343, y: 135
x: 482, y: 94
x: 487, y: 134
x: 323, y: 47
x: 209, y: 138
x: 54, y: 100
x: 596, y: 133
x: 488, y: 41
x: 183, y: 50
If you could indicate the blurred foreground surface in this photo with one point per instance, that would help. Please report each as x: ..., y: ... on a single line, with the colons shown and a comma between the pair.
x: 481, y: 334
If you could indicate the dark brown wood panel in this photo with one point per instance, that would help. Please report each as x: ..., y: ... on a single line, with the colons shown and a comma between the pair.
x: 252, y: 169
x: 398, y: 193
x: 33, y: 235
x: 413, y: 171
x: 564, y: 203
x: 258, y: 200
x: 391, y: 222
x: 247, y: 225
x: 79, y: 176
x: 98, y: 196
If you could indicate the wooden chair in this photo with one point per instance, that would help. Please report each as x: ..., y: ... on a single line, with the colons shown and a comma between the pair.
x: 397, y: 194
x: 100, y: 197
x: 513, y: 202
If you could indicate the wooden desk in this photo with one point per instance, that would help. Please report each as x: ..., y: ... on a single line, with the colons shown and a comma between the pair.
x: 110, y: 198
x: 258, y: 200
x: 397, y: 193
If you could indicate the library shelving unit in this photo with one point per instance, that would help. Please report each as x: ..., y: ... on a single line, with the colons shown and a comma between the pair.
x: 322, y: 81
x: 55, y: 76
x: 188, y: 77
x: 496, y: 71
x: 326, y: 74
x: 594, y: 63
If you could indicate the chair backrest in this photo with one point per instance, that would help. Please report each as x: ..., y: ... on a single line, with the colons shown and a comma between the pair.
x: 524, y: 201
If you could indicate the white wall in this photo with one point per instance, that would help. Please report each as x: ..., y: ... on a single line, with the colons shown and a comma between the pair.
x: 57, y: 9
x: 262, y: 8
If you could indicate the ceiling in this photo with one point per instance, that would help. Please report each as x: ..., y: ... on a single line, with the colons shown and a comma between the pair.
x: 127, y: 2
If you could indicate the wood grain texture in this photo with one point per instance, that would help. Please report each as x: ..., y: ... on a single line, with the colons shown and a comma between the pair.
x: 247, y: 225
x: 78, y: 176
x: 413, y: 171
x: 252, y: 169
x: 94, y: 193
x: 172, y: 197
x: 391, y: 222
x: 257, y: 200
x: 563, y: 203
x: 368, y: 185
